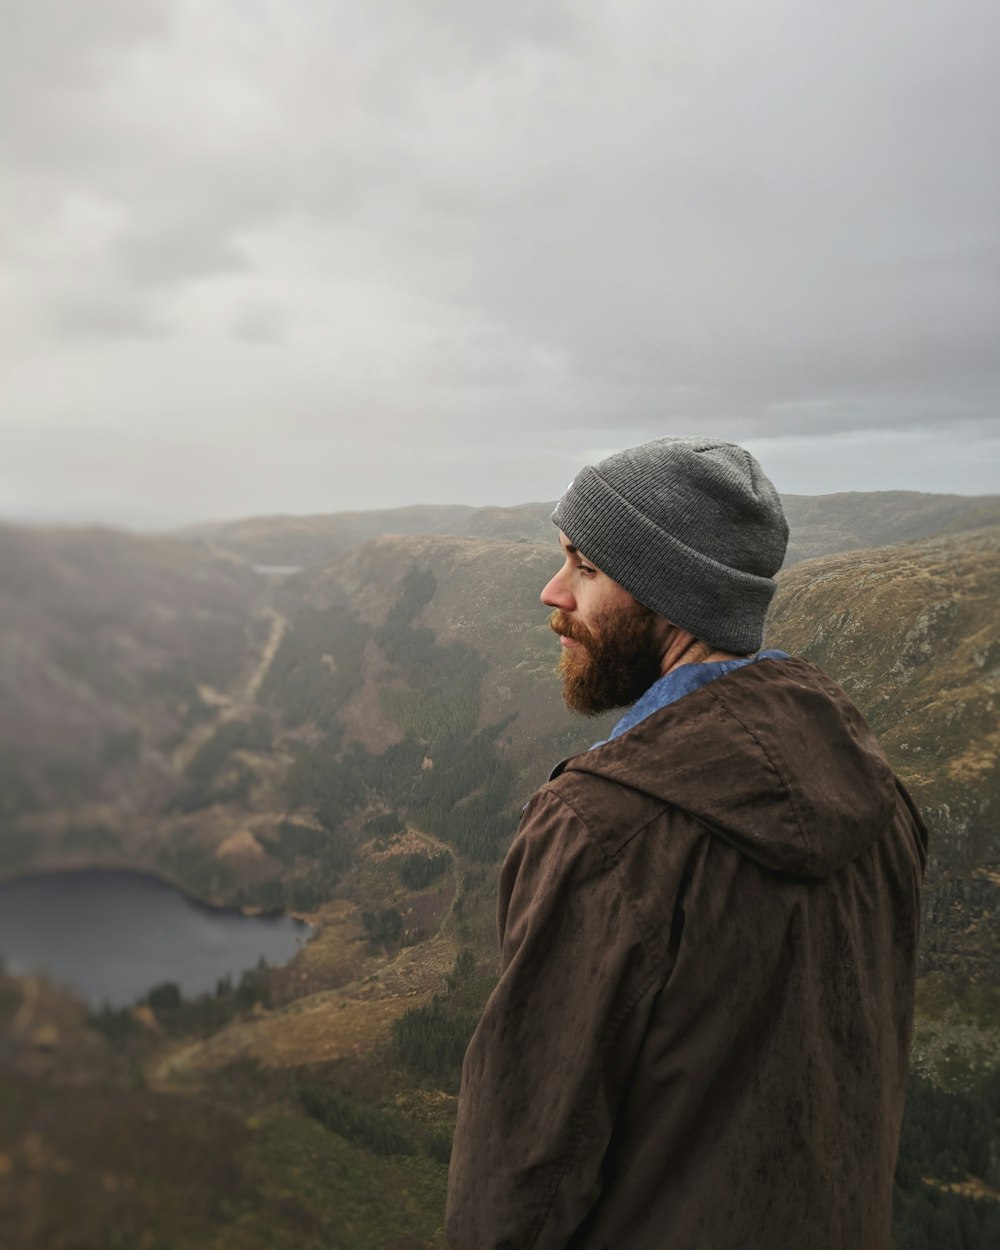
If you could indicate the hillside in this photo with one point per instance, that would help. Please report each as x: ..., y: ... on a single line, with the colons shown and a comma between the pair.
x: 113, y: 649
x: 820, y: 525
x: 912, y: 634
x: 477, y: 597
x: 162, y: 700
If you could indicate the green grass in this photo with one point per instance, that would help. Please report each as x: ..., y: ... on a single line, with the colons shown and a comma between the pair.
x: 314, y: 1189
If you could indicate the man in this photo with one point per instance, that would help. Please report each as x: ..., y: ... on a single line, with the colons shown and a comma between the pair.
x: 708, y: 922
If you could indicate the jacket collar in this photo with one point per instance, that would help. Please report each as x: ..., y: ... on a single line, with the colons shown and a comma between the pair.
x: 679, y: 682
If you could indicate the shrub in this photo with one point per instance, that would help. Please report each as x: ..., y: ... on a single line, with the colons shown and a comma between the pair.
x: 384, y: 825
x: 430, y: 1042
x: 165, y: 997
x: 359, y: 1123
x: 384, y: 928
x: 417, y: 871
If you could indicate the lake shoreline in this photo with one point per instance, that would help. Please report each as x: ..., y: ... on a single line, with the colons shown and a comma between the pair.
x: 49, y: 864
x: 111, y: 933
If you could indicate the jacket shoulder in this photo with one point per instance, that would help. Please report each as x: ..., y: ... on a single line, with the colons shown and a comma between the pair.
x: 646, y: 845
x: 612, y: 813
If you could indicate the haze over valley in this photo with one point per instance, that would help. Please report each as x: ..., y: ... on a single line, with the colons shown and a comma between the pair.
x: 352, y: 743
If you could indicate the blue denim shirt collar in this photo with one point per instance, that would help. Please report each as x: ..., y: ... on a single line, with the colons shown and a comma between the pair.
x: 679, y: 682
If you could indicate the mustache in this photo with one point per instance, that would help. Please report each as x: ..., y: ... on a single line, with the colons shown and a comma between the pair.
x: 566, y: 627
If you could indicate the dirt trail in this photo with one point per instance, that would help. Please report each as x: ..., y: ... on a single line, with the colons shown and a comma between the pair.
x: 240, y: 703
x: 279, y: 624
x: 25, y: 1016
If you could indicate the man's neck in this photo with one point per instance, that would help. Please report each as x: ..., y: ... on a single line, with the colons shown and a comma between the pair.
x: 683, y: 648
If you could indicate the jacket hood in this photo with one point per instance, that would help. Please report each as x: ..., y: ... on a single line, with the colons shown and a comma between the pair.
x: 773, y: 757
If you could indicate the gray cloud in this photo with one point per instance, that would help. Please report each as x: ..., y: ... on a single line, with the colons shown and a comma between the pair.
x: 176, y: 252
x: 105, y: 313
x: 259, y: 323
x: 524, y: 231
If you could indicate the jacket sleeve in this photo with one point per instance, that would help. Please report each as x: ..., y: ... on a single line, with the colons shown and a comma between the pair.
x: 545, y: 1070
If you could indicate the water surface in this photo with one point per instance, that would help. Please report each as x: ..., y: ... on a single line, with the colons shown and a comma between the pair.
x: 111, y: 935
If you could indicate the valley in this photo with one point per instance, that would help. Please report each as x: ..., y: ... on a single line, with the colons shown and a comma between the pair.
x: 352, y: 743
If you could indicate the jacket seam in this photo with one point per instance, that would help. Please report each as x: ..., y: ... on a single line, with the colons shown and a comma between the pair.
x: 772, y: 763
x: 657, y: 952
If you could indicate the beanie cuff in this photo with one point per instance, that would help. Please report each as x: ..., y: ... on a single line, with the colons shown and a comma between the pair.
x: 718, y: 604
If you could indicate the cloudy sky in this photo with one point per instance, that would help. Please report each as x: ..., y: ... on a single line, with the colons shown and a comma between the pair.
x: 307, y: 255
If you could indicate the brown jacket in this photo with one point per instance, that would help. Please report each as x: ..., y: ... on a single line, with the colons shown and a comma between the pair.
x: 699, y: 1039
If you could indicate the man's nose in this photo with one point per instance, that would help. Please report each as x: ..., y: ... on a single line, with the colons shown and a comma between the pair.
x: 555, y: 594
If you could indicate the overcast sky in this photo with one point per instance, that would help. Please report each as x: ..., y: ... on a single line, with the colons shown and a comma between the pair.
x: 307, y: 255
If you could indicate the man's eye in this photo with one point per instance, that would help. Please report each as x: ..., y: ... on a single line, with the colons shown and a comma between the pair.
x: 586, y: 570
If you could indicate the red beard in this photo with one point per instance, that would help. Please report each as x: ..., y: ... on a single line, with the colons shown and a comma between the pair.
x: 616, y: 662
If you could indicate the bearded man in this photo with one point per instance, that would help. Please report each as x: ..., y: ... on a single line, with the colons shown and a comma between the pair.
x: 708, y: 922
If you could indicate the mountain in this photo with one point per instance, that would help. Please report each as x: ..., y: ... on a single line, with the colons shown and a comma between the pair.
x: 822, y: 524
x: 296, y: 540
x: 819, y: 525
x: 160, y: 698
x: 354, y: 742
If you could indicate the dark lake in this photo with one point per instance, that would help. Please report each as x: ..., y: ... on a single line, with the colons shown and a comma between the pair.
x: 112, y: 935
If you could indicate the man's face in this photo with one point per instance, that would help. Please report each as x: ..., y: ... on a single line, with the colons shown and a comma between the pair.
x: 612, y: 646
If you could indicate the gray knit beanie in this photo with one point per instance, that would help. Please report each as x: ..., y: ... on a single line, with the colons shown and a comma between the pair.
x: 691, y: 527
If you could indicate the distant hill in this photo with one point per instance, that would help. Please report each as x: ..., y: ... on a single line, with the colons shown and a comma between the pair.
x: 527, y: 523
x: 296, y: 540
x: 819, y: 524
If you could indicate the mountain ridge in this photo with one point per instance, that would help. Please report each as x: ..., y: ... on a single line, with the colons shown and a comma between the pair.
x: 819, y: 524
